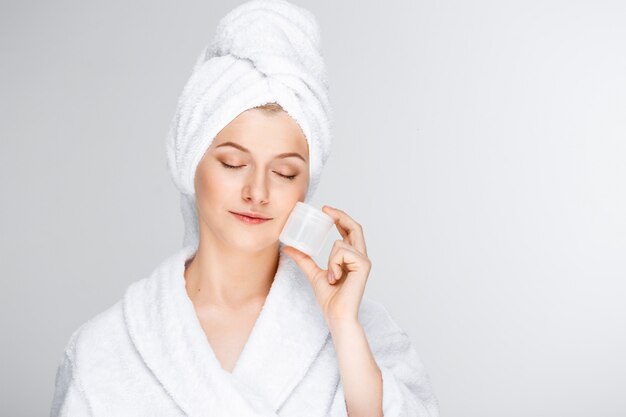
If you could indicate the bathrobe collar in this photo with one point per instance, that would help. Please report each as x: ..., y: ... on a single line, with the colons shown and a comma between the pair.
x: 287, y: 336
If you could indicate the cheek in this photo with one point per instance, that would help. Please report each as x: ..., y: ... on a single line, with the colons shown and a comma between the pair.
x: 214, y: 179
x: 287, y: 197
x: 213, y: 187
x: 302, y: 187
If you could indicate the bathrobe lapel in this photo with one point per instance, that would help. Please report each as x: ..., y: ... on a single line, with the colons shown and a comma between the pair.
x: 286, y: 338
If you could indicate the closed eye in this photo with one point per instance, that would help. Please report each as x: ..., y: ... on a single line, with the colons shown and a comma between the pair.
x: 289, y: 177
x: 231, y: 166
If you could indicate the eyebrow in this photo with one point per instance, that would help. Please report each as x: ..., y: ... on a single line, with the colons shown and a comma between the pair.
x: 281, y: 155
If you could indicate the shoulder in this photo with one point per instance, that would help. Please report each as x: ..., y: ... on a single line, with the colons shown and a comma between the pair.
x: 86, y: 350
x: 96, y: 334
x: 406, y: 381
x: 383, y: 333
x: 375, y: 318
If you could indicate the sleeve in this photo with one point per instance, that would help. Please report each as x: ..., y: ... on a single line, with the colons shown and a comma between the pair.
x: 407, y: 390
x: 68, y: 399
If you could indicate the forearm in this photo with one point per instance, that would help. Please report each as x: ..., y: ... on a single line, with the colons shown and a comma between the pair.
x: 360, y: 375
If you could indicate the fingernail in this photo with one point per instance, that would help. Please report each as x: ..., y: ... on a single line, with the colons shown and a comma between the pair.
x: 331, y: 275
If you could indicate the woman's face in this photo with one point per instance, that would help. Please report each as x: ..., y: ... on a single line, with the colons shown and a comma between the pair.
x: 264, y: 181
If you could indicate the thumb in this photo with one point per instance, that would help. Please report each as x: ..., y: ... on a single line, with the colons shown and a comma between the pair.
x: 304, y: 261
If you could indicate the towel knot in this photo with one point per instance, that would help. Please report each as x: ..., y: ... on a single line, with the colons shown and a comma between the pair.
x: 267, y: 30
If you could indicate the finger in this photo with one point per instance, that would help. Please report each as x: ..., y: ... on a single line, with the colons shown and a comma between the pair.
x: 349, y: 229
x: 337, y: 246
x: 337, y: 272
x: 304, y: 261
x: 343, y: 259
x: 335, y: 214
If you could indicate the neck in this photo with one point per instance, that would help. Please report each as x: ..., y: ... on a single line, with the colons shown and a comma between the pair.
x: 220, y: 276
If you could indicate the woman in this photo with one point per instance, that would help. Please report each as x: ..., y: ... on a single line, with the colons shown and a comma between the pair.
x: 235, y: 323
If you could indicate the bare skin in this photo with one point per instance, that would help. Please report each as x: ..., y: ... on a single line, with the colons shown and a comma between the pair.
x: 227, y: 328
x: 231, y: 274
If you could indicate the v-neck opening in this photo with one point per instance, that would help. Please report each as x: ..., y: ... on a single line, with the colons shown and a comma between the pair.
x: 287, y: 336
x: 186, y: 260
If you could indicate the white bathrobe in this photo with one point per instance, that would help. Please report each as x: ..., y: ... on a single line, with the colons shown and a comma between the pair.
x: 147, y: 355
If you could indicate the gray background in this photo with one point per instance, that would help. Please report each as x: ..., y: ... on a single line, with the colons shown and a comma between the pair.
x: 480, y: 144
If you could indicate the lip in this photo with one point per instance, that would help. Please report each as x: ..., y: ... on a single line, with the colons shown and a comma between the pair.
x: 251, y: 214
x: 249, y: 219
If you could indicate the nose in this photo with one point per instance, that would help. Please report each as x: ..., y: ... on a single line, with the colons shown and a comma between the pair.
x: 255, y: 189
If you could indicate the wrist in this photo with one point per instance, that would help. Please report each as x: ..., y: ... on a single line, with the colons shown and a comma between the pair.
x: 339, y: 325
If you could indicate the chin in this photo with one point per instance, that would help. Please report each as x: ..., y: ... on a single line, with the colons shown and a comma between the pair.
x: 253, y: 244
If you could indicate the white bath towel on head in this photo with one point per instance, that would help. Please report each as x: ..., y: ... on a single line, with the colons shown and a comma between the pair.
x: 148, y: 355
x: 263, y: 51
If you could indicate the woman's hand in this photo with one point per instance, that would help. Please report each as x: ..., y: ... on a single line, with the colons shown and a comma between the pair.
x: 339, y: 296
